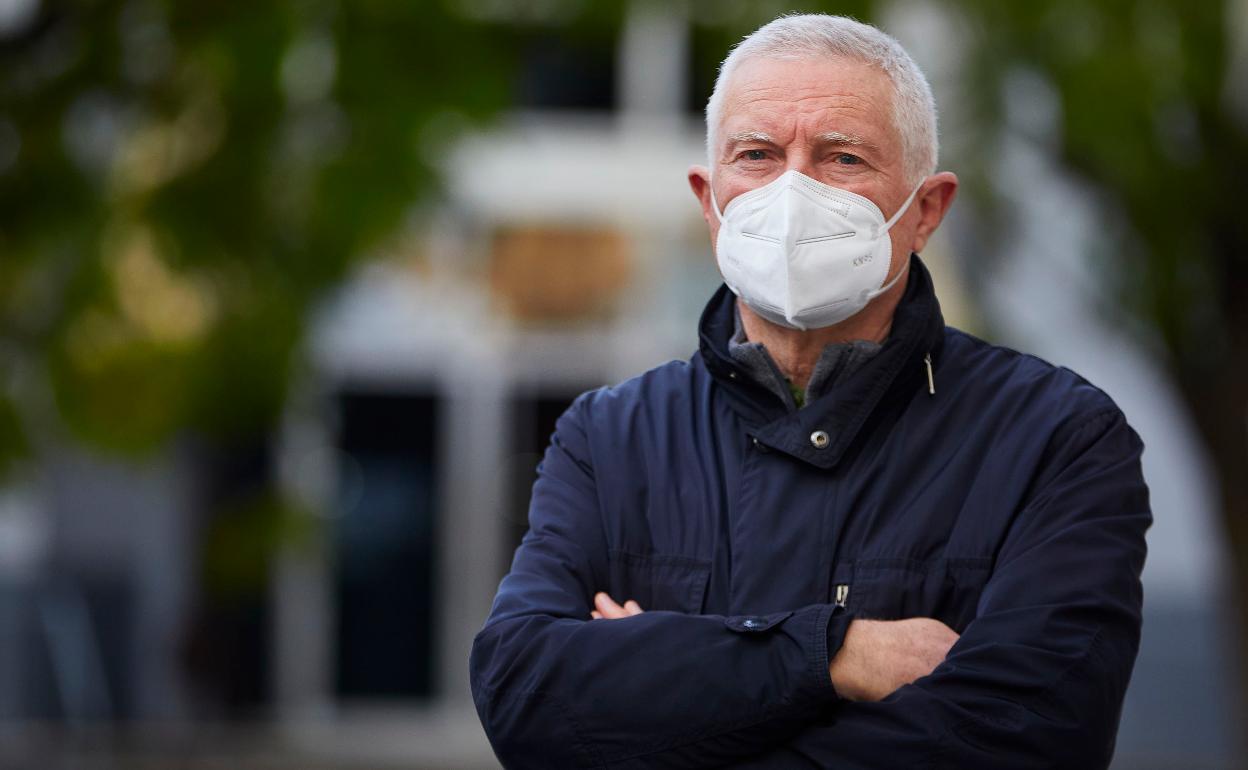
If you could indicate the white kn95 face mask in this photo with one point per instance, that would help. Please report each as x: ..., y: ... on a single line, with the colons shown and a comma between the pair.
x: 804, y: 254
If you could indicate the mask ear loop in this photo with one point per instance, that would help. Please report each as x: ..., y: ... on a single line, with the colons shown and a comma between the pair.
x: 888, y: 226
x: 893, y: 220
x: 714, y: 204
x: 891, y: 283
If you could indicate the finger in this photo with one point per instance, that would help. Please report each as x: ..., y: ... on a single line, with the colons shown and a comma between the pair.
x: 596, y: 615
x: 607, y: 606
x: 632, y: 607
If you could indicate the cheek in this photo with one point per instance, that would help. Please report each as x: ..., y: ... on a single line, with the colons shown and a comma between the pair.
x: 712, y: 221
x: 902, y: 240
x: 904, y: 233
x: 901, y: 237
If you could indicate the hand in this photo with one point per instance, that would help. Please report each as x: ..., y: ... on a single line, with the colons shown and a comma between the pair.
x: 878, y: 656
x: 607, y: 608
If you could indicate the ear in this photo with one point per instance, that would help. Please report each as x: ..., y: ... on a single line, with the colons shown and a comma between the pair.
x: 932, y: 201
x: 700, y: 182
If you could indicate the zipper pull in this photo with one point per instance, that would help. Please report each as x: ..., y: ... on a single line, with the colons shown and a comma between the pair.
x: 931, y: 381
x: 842, y: 595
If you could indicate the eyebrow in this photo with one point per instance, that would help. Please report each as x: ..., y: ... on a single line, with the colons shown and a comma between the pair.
x: 750, y: 136
x: 827, y: 137
x: 836, y: 137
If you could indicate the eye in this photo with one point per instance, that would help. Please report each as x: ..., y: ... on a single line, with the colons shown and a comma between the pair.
x: 846, y: 159
x: 754, y: 155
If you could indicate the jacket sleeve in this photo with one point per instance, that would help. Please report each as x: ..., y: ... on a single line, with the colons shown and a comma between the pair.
x: 1038, y: 678
x: 661, y: 689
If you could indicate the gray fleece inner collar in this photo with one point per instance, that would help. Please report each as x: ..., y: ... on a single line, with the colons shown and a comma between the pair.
x: 837, y: 361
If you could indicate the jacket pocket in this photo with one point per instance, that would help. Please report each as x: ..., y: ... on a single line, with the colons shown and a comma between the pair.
x: 945, y: 589
x: 659, y: 581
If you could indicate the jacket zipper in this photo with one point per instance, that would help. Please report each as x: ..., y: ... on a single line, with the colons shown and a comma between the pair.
x: 842, y: 595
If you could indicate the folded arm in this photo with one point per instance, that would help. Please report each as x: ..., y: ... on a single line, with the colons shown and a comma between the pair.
x: 555, y: 688
x: 875, y: 658
x: 1037, y: 679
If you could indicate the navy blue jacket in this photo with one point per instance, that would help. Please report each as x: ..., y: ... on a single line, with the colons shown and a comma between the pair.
x: 1009, y: 505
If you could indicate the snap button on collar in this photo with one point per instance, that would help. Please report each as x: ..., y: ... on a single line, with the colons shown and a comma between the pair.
x: 820, y: 439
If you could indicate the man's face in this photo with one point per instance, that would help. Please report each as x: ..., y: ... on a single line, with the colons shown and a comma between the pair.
x: 830, y: 119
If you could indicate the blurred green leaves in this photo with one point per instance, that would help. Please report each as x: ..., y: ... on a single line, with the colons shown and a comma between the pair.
x: 188, y: 178
x: 1147, y: 118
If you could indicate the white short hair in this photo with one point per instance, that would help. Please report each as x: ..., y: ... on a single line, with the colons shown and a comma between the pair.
x: 807, y: 36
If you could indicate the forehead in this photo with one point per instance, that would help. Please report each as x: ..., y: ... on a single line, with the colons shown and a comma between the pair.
x: 791, y: 99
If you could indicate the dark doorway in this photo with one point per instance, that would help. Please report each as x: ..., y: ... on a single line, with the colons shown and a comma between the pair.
x: 384, y: 541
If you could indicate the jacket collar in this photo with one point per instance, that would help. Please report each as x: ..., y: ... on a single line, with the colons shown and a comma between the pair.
x: 897, y: 372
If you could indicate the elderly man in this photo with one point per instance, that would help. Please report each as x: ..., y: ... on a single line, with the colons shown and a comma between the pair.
x: 842, y: 534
